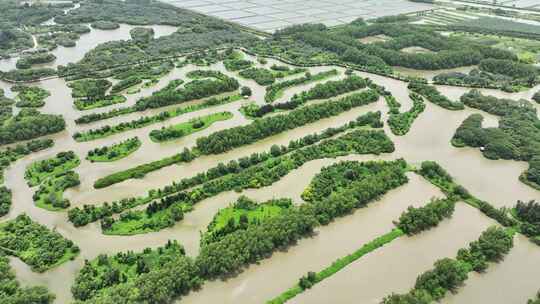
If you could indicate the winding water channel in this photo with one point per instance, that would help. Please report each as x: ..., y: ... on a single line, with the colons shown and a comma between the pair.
x: 429, y: 139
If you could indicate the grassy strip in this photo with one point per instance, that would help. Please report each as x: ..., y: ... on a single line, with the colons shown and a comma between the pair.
x: 82, y: 105
x: 149, y: 120
x: 187, y: 128
x: 339, y: 264
x: 141, y: 170
x: 114, y: 152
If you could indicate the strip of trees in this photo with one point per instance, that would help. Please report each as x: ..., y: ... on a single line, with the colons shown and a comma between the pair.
x: 226, y: 140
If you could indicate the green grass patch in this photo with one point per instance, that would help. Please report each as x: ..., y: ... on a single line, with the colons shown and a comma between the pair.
x: 190, y: 127
x: 84, y: 104
x: 35, y: 244
x: 50, y: 195
x: 38, y: 171
x: 114, y: 152
x: 240, y: 215
x: 275, y: 91
x: 149, y: 120
x: 139, y: 223
x: 30, y: 96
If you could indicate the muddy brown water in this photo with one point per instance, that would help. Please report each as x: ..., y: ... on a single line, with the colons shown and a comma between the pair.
x: 494, y: 181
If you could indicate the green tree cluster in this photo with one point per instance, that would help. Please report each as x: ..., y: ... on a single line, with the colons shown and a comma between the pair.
x: 35, y: 244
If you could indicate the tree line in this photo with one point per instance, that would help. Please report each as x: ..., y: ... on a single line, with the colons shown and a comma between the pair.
x: 320, y: 91
x: 228, y: 139
x: 30, y: 124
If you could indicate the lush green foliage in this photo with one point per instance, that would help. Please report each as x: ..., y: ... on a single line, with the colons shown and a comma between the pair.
x: 27, y: 74
x: 89, y: 88
x: 39, y: 171
x: 106, y: 101
x: 34, y: 244
x: 27, y: 61
x: 30, y: 96
x: 114, y: 152
x: 11, y: 291
x: 195, y: 89
x: 50, y: 193
x: 400, y: 123
x: 482, y: 79
x: 320, y: 91
x: 142, y: 35
x: 449, y: 274
x: 274, y: 91
x: 433, y: 95
x: 147, y: 120
x: 170, y: 209
x: 8, y: 156
x: 416, y: 220
x: 440, y: 178
x: 106, y: 271
x: 91, y: 213
x: 342, y: 44
x: 30, y: 124
x: 163, y: 284
x: 228, y: 139
x: 235, y: 250
x: 165, y: 97
x: 266, y: 77
x: 237, y: 64
x: 517, y: 136
x: 186, y: 128
x: 105, y: 25
x: 529, y: 215
x: 241, y: 215
x: 126, y: 83
x: 510, y: 68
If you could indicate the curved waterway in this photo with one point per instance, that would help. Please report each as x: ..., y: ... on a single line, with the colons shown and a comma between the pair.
x: 87, y: 42
x: 429, y: 139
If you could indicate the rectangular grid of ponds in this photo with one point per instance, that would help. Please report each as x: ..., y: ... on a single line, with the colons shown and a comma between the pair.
x: 271, y: 15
